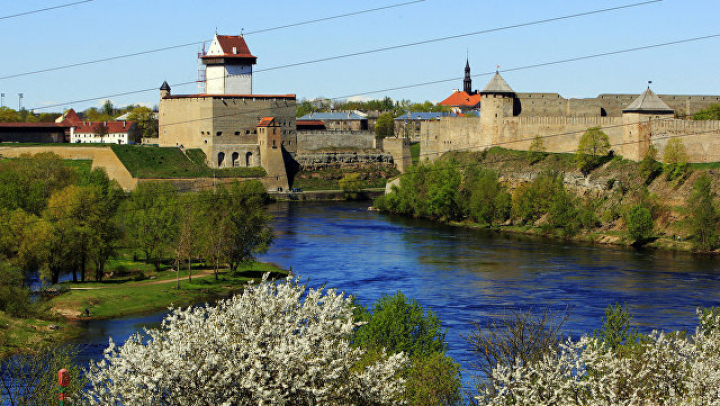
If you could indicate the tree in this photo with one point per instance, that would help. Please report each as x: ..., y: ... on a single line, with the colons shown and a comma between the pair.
x: 488, y: 201
x: 517, y: 339
x: 398, y: 325
x: 150, y: 220
x: 639, y: 222
x: 616, y: 332
x: 108, y: 108
x: 145, y: 120
x: 594, y: 145
x: 433, y: 380
x: 8, y: 115
x: 31, y: 379
x: 351, y: 186
x: 710, y: 113
x: 275, y: 343
x: 649, y: 168
x: 537, y: 150
x: 675, y: 159
x: 385, y: 125
x: 101, y: 131
x: 250, y: 225
x: 185, y: 242
x: 703, y: 214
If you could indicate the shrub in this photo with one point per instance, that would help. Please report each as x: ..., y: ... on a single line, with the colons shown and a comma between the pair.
x: 640, y: 224
x: 276, y: 343
x: 675, y: 159
x: 649, y: 168
x: 593, y: 146
x: 488, y: 200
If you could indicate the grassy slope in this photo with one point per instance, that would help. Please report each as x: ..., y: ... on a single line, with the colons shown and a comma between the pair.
x: 18, y: 335
x: 146, y: 162
x: 121, y: 299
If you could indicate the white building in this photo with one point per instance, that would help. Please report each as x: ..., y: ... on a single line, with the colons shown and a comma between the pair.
x: 118, y: 132
x: 228, y: 66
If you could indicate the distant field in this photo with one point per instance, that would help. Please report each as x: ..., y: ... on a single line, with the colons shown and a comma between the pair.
x: 146, y: 162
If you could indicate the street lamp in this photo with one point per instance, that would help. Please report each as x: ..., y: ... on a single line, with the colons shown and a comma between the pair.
x: 20, y: 97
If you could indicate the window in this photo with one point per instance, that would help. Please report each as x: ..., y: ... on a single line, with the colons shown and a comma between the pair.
x: 219, y: 133
x: 237, y: 132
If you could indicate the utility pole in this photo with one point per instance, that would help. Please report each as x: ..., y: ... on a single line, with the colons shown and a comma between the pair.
x: 20, y: 97
x: 2, y: 99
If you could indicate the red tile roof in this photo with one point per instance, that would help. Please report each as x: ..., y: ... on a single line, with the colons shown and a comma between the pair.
x: 114, y: 127
x: 227, y: 43
x: 71, y: 118
x: 266, y: 121
x: 310, y: 122
x: 461, y: 99
x: 33, y: 125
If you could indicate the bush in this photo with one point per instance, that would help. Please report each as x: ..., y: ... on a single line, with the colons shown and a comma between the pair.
x: 532, y: 200
x: 675, y: 159
x: 488, y: 200
x: 649, y: 168
x: 640, y: 224
x: 275, y: 343
x: 593, y: 146
x: 14, y: 297
x: 662, y: 369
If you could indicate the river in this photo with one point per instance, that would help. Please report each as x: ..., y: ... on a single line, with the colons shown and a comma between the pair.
x: 465, y: 275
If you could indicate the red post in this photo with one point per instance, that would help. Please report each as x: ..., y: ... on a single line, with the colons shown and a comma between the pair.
x: 63, y: 382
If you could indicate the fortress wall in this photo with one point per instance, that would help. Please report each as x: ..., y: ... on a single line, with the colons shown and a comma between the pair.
x: 247, y: 155
x: 238, y: 117
x: 611, y: 105
x: 701, y: 138
x: 182, y: 120
x: 447, y: 134
x: 314, y: 140
x: 559, y: 134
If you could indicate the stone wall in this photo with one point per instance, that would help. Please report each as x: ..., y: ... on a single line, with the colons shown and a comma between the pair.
x: 701, y: 138
x: 399, y: 148
x: 308, y: 141
x: 317, y: 161
x: 610, y: 105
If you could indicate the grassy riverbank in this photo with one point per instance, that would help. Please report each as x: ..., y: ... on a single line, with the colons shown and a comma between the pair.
x: 111, y: 300
x: 117, y: 298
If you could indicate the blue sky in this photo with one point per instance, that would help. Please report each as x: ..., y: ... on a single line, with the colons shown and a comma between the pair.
x: 104, y: 28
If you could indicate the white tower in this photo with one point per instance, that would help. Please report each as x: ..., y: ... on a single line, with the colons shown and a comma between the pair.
x: 228, y: 65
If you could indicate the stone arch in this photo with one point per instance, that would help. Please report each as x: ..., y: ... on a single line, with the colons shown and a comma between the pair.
x: 221, y: 159
x: 249, y: 159
x: 235, y: 161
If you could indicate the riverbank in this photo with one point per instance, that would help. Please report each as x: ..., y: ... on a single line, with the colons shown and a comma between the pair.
x: 547, y: 195
x: 114, y: 299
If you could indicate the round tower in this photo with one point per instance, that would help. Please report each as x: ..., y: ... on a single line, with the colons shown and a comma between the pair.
x: 497, y: 101
x: 164, y: 90
x: 638, y: 120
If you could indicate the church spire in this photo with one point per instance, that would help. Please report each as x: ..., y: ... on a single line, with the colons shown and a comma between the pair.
x: 467, y: 83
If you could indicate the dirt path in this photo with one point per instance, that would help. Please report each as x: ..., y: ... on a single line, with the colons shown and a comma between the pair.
x: 199, y: 274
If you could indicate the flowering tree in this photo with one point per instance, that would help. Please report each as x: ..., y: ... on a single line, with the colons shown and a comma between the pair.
x: 665, y: 369
x: 274, y: 344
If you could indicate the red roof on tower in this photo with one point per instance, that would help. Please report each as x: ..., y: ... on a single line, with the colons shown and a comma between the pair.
x: 266, y: 122
x: 461, y: 99
x: 233, y: 46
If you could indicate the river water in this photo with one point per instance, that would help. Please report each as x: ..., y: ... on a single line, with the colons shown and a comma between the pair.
x: 465, y: 275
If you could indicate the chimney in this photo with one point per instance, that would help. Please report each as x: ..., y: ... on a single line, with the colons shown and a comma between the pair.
x: 124, y: 122
x: 235, y: 50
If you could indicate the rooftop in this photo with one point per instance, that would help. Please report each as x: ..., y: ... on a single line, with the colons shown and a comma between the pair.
x: 462, y: 99
x: 648, y: 102
x: 497, y: 85
x: 339, y: 115
x: 412, y: 115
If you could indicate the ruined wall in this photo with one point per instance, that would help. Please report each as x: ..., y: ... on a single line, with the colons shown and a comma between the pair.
x: 318, y: 161
x: 399, y: 148
x: 308, y: 141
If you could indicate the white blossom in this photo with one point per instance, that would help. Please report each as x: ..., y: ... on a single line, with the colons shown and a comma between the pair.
x: 674, y: 369
x: 274, y: 344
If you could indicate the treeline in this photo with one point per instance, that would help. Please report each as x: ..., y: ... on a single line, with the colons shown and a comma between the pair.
x: 398, y: 107
x: 55, y: 219
x: 449, y: 191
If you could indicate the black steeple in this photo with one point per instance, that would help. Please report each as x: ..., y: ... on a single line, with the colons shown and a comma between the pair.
x: 467, y: 83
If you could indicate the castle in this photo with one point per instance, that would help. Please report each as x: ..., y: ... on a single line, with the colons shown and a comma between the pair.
x: 632, y: 122
x: 233, y: 126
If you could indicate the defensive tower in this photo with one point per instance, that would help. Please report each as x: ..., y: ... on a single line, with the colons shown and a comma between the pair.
x: 228, y: 66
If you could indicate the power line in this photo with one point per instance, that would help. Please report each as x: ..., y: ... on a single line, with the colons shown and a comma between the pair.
x: 422, y: 84
x: 44, y: 9
x: 469, y: 34
x: 171, y: 47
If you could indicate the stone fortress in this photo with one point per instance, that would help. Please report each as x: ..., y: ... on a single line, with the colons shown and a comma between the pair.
x: 233, y: 126
x: 633, y: 122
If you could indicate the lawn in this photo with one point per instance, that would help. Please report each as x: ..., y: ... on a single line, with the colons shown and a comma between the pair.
x: 116, y: 299
x: 149, y: 162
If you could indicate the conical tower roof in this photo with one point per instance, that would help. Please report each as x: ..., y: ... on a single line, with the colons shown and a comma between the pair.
x: 165, y: 86
x: 649, y: 103
x: 497, y: 85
